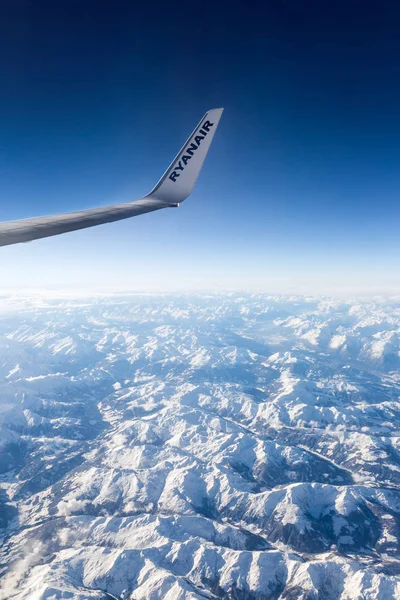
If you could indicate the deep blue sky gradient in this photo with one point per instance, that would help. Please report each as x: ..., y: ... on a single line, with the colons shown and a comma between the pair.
x: 301, y: 189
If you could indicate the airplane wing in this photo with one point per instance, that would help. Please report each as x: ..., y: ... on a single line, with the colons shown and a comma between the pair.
x: 173, y: 188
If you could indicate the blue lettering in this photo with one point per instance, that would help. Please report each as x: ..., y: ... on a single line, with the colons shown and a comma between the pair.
x: 190, y: 149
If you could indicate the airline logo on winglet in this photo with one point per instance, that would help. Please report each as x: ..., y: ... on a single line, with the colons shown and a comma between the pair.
x: 190, y: 150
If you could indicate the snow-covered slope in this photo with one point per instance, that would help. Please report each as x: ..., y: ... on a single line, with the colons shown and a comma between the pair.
x: 199, y: 447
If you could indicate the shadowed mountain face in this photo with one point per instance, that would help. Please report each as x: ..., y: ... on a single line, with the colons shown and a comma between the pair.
x: 199, y: 447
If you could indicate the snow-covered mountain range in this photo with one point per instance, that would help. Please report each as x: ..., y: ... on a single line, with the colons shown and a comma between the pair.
x: 179, y: 447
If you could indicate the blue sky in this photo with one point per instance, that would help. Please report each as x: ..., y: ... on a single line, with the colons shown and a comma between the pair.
x: 301, y: 188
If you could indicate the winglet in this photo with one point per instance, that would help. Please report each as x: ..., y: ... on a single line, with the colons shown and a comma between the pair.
x: 179, y: 179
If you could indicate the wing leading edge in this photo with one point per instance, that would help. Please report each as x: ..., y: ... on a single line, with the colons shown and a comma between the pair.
x: 173, y: 188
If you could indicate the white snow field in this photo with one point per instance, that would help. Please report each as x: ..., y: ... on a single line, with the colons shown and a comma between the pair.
x: 182, y: 447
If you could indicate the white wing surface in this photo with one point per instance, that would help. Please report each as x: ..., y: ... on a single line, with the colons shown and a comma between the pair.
x: 174, y: 186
